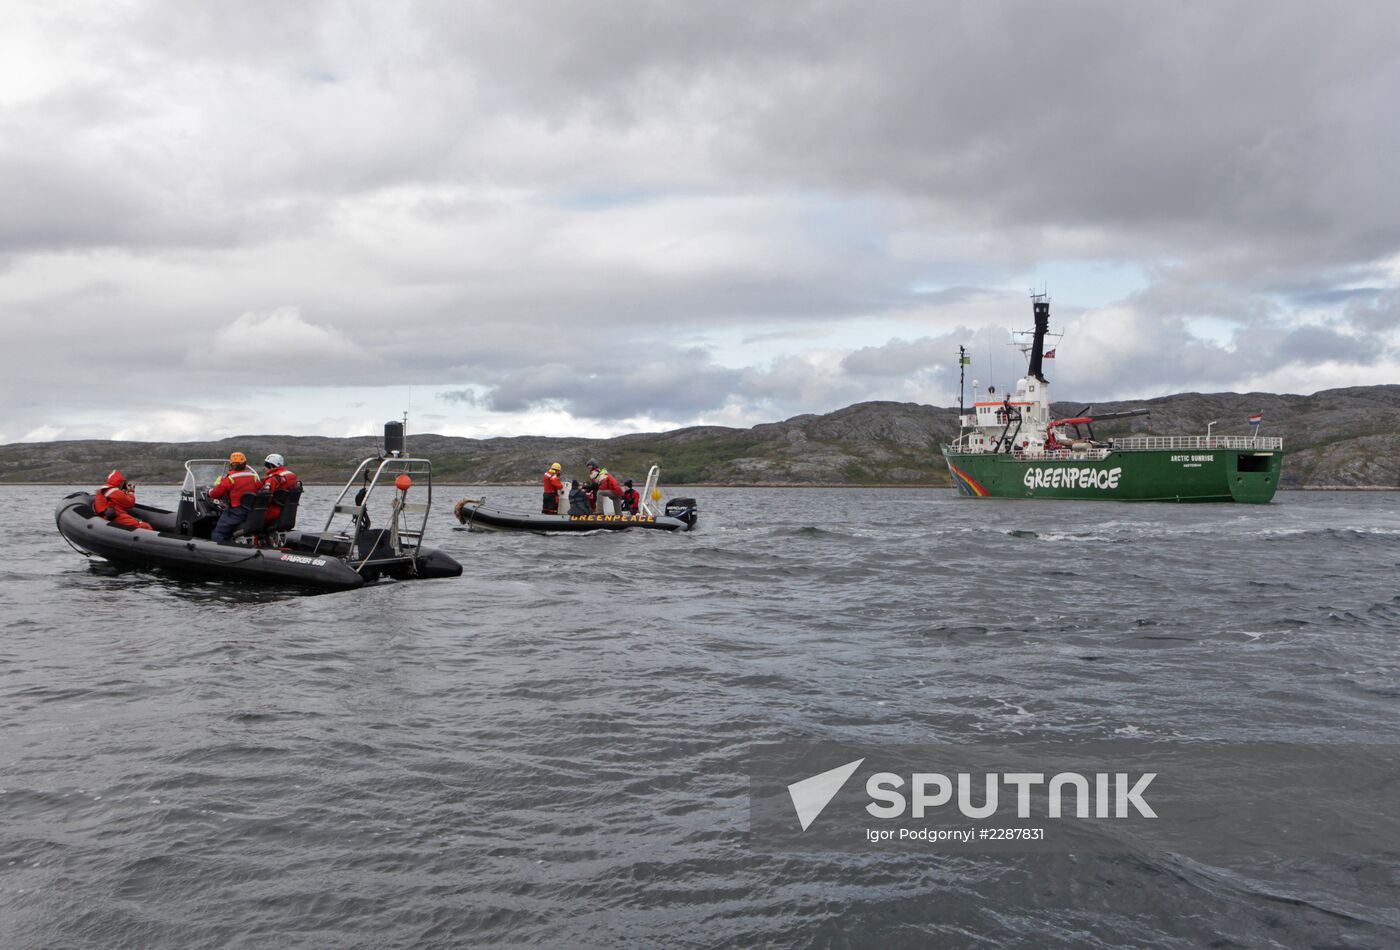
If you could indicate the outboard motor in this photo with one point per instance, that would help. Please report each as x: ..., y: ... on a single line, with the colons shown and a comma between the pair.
x: 683, y: 509
x: 393, y: 439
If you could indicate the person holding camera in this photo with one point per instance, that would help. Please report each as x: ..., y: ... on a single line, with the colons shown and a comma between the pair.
x: 114, y: 499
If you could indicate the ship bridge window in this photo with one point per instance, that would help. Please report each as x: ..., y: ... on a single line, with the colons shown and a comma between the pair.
x: 1252, y: 463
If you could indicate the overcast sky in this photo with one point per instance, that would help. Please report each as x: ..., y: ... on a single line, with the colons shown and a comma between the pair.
x: 592, y: 218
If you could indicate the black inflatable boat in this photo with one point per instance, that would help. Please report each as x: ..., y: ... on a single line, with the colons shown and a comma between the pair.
x: 348, y: 553
x: 479, y: 516
x: 678, y: 514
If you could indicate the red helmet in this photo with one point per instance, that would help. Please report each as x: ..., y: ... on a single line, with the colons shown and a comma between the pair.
x: 116, y: 479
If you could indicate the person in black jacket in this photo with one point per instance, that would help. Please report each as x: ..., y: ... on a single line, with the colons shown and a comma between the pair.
x: 631, y: 501
x: 578, y: 500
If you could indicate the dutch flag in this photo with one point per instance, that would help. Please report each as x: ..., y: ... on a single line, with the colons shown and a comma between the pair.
x: 1255, y: 419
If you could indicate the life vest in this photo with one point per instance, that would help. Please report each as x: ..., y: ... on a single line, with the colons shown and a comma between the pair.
x: 279, y: 477
x: 113, y: 503
x: 236, y: 484
x: 552, y: 483
x: 104, y: 504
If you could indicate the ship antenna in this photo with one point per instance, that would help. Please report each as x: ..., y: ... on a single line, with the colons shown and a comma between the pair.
x: 991, y: 360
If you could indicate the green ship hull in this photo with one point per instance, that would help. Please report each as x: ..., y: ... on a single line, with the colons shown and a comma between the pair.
x: 1212, y: 474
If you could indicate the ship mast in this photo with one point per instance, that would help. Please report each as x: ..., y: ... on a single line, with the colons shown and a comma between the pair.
x: 1042, y: 327
x: 962, y: 376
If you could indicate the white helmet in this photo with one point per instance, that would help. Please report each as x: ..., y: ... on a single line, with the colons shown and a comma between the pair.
x: 274, y: 459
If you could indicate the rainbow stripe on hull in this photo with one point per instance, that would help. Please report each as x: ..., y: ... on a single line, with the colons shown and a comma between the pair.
x: 966, y: 483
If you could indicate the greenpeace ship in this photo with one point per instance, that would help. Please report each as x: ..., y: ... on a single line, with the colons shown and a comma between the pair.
x: 1015, y: 448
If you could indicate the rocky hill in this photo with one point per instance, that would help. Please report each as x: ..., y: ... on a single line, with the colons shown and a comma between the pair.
x: 1337, y: 438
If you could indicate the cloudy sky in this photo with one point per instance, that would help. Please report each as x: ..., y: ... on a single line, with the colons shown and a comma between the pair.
x: 563, y: 217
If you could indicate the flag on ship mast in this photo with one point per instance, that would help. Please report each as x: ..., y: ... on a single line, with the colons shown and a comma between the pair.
x: 1254, y: 421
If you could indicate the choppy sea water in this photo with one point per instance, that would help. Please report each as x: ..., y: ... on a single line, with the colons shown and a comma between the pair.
x: 552, y: 750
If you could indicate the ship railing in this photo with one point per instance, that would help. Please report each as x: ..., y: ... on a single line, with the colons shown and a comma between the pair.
x: 1146, y: 443
x: 1065, y: 455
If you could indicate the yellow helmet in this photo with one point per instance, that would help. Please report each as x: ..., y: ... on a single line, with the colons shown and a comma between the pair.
x: 556, y: 467
x: 237, y: 458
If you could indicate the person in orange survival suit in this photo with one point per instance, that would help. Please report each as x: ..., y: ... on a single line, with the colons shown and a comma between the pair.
x: 278, y: 476
x: 553, y: 485
x: 114, y: 499
x: 238, y: 481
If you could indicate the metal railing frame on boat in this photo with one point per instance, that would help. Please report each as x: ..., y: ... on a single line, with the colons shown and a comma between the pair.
x: 1064, y: 455
x: 398, y: 532
x: 1148, y: 443
x: 647, y: 505
x: 1143, y: 444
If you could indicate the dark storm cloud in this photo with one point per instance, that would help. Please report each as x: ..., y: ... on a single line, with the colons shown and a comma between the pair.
x: 675, y: 384
x: 1314, y: 344
x: 1247, y: 123
x: 1376, y: 312
x: 1153, y: 344
x: 1251, y: 125
x: 662, y: 384
x: 903, y: 357
x: 483, y: 194
x: 462, y: 397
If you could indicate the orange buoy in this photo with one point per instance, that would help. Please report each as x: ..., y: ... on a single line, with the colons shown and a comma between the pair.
x: 403, y: 483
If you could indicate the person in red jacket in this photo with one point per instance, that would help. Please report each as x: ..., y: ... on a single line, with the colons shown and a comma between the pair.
x: 278, y: 476
x: 114, y: 499
x: 553, y: 485
x: 631, y: 501
x: 238, y: 481
x: 608, y: 488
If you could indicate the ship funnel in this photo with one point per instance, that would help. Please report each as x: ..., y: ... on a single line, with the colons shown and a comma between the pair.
x: 1042, y: 327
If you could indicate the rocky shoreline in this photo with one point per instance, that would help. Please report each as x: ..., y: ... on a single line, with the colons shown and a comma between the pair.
x: 1339, y: 439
